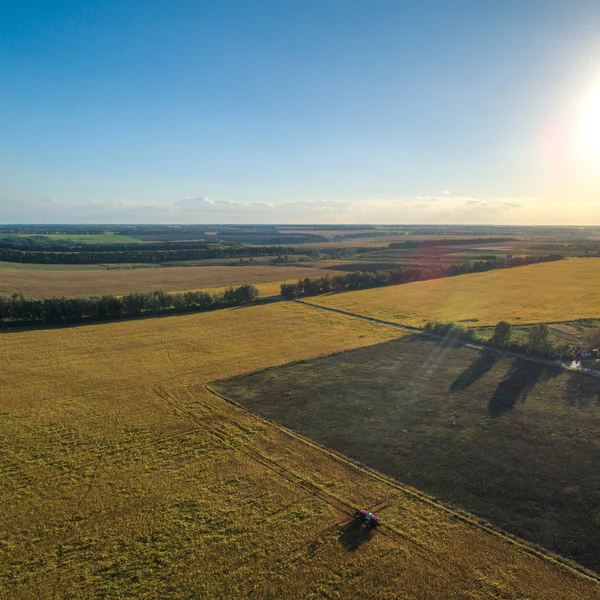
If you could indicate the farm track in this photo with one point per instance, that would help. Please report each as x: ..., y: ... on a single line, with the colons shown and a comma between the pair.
x: 415, y: 330
x: 347, y: 509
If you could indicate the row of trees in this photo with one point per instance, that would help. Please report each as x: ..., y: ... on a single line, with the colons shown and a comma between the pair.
x: 19, y: 310
x: 41, y: 243
x: 358, y: 280
x: 539, y: 340
x: 449, y: 242
x: 138, y: 254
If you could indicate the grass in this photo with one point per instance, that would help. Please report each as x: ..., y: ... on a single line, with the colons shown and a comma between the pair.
x: 558, y: 291
x: 43, y: 282
x: 512, y: 441
x: 124, y: 477
x: 85, y: 238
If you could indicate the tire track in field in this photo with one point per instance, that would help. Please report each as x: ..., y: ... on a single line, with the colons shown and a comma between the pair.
x: 74, y: 513
x: 273, y: 466
x: 424, y: 552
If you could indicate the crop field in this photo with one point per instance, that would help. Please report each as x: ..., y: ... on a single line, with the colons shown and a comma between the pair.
x: 386, y: 238
x: 367, y: 242
x: 123, y: 476
x: 470, y: 250
x: 509, y: 440
x: 45, y: 283
x: 558, y: 291
x: 83, y: 238
x: 10, y: 266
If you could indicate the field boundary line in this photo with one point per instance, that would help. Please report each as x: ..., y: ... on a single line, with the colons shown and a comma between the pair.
x: 474, y: 345
x: 523, y: 545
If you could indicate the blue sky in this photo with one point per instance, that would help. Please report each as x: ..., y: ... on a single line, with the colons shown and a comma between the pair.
x: 284, y: 111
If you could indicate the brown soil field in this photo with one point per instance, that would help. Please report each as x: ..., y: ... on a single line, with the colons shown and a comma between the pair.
x: 44, y: 283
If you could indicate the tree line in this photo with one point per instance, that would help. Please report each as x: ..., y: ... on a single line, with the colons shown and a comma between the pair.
x: 19, y: 310
x: 449, y: 242
x: 47, y: 244
x: 539, y: 341
x: 138, y: 254
x: 359, y: 280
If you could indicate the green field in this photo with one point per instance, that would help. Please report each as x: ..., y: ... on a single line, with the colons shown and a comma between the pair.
x: 512, y: 441
x: 102, y: 238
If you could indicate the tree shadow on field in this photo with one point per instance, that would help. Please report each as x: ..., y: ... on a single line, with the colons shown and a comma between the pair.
x: 582, y: 390
x: 354, y: 535
x: 477, y: 369
x: 517, y: 385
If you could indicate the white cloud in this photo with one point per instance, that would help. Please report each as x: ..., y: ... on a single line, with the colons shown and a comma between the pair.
x: 194, y: 203
x: 422, y: 208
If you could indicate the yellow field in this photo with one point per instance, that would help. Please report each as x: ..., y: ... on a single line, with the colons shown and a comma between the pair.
x: 122, y: 476
x: 265, y: 290
x: 558, y: 291
x: 44, y: 282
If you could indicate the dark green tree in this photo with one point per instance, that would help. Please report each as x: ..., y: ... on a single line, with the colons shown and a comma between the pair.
x: 245, y: 294
x: 288, y: 290
x: 539, y: 340
x: 502, y: 333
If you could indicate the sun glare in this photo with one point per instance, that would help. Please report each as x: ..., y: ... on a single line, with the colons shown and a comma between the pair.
x: 589, y: 127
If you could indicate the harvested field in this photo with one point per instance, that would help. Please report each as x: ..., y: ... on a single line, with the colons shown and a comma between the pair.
x: 46, y: 283
x: 557, y: 291
x: 512, y: 441
x: 10, y: 266
x: 122, y: 476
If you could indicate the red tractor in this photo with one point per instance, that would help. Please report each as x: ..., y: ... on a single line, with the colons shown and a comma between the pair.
x: 368, y: 518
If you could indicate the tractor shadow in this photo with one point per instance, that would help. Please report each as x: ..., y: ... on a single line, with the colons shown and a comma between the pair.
x: 354, y: 535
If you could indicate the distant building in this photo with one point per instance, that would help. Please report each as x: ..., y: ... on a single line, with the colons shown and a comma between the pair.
x: 510, y: 256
